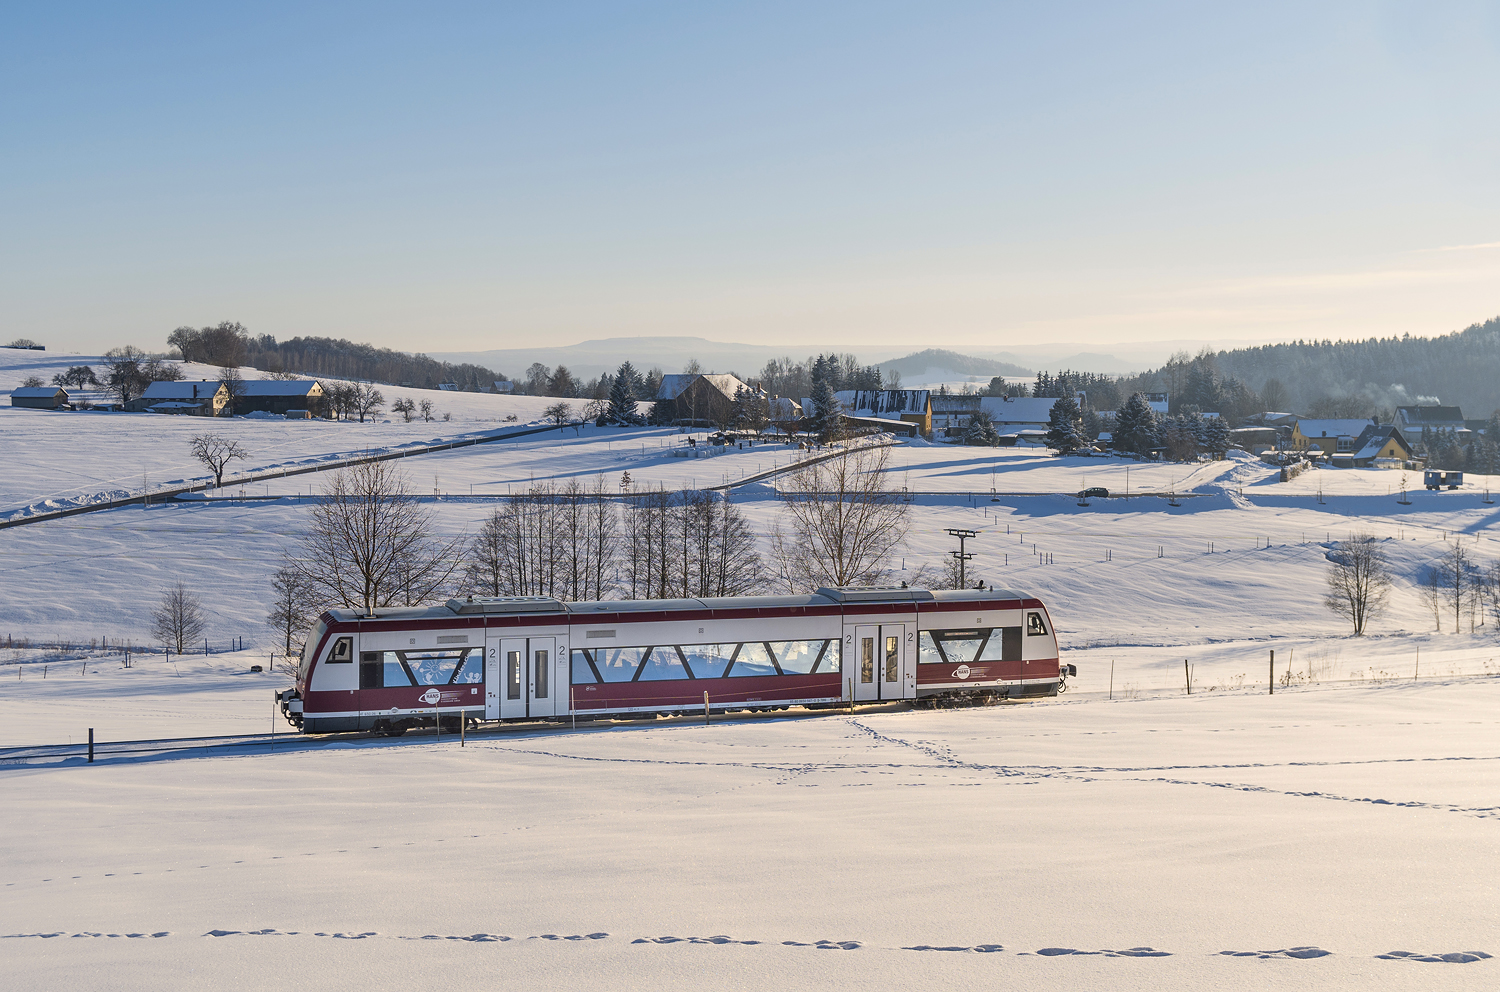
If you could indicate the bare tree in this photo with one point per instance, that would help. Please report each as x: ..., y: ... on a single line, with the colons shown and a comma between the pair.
x: 405, y: 407
x: 550, y: 541
x: 1460, y: 580
x: 1358, y: 581
x: 234, y: 385
x: 294, y: 606
x: 558, y: 414
x: 840, y: 523
x: 365, y: 400
x: 216, y: 451
x: 371, y: 540
x: 1433, y: 594
x: 426, y: 408
x: 178, y: 619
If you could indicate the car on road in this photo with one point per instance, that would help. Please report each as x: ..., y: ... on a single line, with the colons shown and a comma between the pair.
x: 1094, y: 492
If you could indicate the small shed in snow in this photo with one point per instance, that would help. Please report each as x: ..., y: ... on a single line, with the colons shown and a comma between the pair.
x: 40, y: 397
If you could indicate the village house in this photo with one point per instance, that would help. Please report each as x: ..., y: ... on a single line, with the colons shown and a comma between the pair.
x: 910, y: 406
x: 1330, y: 437
x: 698, y: 399
x: 279, y: 396
x: 198, y: 399
x: 1382, y: 446
x: 39, y: 397
x: 1018, y: 419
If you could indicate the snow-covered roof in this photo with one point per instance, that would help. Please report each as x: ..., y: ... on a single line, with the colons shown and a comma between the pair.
x: 673, y: 386
x: 1432, y: 416
x: 1333, y: 428
x: 38, y: 392
x: 185, y: 390
x: 1373, y: 438
x: 276, y: 387
x: 955, y: 403
x: 1017, y: 409
x: 785, y: 408
x: 884, y: 402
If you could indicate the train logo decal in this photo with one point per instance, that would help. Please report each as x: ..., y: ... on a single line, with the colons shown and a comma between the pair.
x: 430, y: 697
x: 962, y: 672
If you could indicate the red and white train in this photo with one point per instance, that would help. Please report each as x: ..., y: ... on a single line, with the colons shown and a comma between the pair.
x: 528, y: 658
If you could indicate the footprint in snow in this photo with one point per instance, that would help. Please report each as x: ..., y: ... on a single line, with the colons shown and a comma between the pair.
x: 720, y: 939
x: 1133, y: 952
x: 1452, y: 957
x: 980, y: 948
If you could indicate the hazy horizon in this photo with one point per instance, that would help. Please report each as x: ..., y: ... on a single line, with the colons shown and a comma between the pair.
x: 888, y: 177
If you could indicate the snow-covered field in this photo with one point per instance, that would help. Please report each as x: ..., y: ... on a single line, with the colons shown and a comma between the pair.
x: 1223, y: 840
x: 1355, y: 811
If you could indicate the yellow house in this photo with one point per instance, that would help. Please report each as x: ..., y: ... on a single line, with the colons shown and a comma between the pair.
x: 1328, y: 436
x: 1382, y: 447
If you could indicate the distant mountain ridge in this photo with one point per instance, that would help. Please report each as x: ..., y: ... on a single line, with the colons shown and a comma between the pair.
x: 588, y: 359
x: 951, y: 361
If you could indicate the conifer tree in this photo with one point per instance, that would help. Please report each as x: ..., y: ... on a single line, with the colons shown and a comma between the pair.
x: 1135, y: 426
x: 622, y: 405
x: 1216, y: 436
x: 1065, y: 427
x: 981, y: 431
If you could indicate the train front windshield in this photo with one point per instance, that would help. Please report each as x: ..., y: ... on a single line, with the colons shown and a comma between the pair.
x: 308, y: 647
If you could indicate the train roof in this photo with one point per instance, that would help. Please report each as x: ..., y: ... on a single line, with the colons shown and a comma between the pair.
x: 477, y: 606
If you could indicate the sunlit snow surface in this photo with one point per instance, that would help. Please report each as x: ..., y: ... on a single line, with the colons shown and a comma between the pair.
x: 1234, y: 834
x: 1339, y: 834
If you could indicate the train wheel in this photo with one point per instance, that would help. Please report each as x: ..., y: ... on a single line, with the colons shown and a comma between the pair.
x: 395, y: 731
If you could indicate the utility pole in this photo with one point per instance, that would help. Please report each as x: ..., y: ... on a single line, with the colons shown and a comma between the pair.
x: 963, y: 558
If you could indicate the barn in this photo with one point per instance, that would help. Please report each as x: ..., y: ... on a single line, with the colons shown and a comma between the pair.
x: 40, y: 397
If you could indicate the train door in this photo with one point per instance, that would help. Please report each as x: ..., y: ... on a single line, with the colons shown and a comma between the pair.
x: 507, y: 663
x: 898, y: 675
x: 866, y: 670
x: 541, y: 688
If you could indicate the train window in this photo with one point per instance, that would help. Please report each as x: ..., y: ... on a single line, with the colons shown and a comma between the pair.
x: 583, y: 668
x: 1011, y: 644
x: 753, y: 660
x: 961, y: 647
x: 471, y: 670
x: 512, y: 675
x: 828, y: 661
x: 393, y: 673
x: 928, y: 652
x: 663, y: 664
x: 709, y: 661
x: 619, y: 664
x: 440, y: 667
x: 893, y: 659
x: 799, y: 657
x: 343, y: 651
x: 1034, y: 625
x: 542, y: 667
x: 867, y: 659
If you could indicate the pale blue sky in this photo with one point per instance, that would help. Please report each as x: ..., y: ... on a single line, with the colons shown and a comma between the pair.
x: 457, y: 177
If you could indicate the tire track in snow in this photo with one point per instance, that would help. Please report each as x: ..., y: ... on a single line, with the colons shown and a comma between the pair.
x: 1099, y: 775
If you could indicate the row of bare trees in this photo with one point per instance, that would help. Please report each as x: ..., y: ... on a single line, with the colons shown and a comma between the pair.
x: 371, y: 542
x: 1456, y: 584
